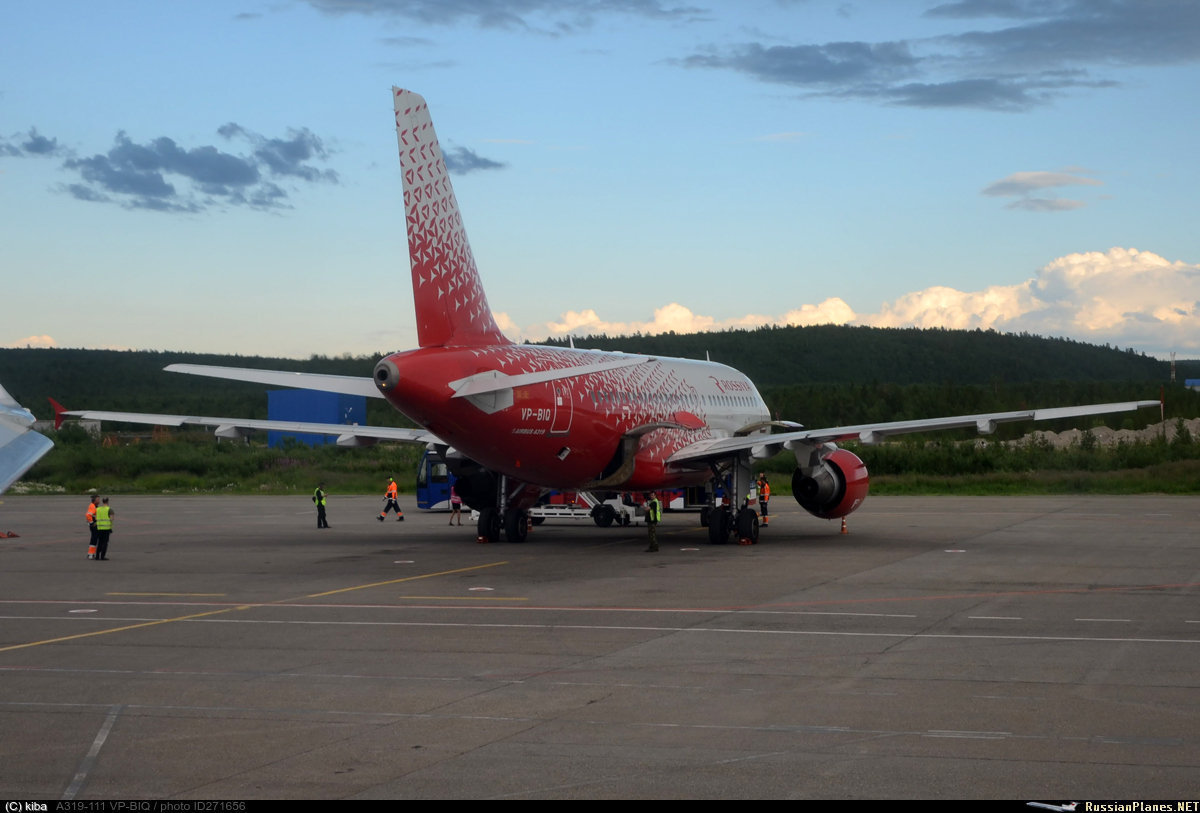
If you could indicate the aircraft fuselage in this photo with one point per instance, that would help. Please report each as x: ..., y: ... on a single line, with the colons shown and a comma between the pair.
x: 560, y: 433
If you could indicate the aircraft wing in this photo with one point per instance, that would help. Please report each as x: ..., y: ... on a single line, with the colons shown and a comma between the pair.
x: 347, y: 434
x: 869, y: 433
x: 20, y: 446
x: 345, y: 384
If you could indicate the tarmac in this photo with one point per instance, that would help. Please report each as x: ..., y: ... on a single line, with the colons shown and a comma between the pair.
x: 957, y: 648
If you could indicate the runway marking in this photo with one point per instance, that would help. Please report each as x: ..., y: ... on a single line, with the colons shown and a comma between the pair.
x: 805, y: 729
x: 1051, y: 591
x: 168, y: 595
x: 1115, y: 620
x: 405, y: 579
x: 464, y: 598
x: 970, y: 735
x: 234, y: 608
x: 89, y: 761
x: 729, y: 630
x: 995, y: 618
x: 116, y: 629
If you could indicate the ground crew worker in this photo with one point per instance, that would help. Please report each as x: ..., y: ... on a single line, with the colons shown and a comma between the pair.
x: 104, y: 525
x: 390, y: 495
x: 764, y: 494
x: 91, y: 523
x: 319, y: 499
x: 653, y: 517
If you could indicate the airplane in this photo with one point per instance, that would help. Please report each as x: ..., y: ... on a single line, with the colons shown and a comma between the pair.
x: 20, y: 446
x: 514, y: 421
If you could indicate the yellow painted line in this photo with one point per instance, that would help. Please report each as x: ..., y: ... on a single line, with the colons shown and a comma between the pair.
x: 405, y: 579
x: 120, y: 629
x: 241, y: 607
x: 192, y: 595
x: 463, y: 598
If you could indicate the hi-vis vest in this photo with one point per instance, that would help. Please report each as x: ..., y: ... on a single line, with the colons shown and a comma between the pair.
x: 319, y: 497
x: 654, y: 510
x: 392, y: 489
x: 103, y: 520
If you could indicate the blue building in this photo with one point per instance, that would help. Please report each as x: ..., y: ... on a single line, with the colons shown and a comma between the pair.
x: 314, y: 407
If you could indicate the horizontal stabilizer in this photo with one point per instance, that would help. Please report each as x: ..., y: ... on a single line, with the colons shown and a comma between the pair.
x: 494, y: 380
x: 344, y: 384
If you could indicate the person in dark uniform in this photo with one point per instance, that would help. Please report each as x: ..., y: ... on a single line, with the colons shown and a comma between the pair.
x: 319, y: 499
x: 104, y: 525
x: 653, y: 517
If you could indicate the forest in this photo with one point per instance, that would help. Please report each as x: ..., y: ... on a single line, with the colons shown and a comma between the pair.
x: 818, y: 376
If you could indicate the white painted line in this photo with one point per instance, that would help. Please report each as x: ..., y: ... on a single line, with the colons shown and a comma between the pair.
x: 89, y: 761
x: 970, y: 735
x: 995, y: 617
x: 1114, y: 620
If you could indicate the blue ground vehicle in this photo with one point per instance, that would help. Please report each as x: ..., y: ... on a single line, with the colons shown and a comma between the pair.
x: 433, y: 483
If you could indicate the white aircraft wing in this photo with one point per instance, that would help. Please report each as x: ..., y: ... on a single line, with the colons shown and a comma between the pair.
x: 20, y: 446
x: 347, y: 434
x: 868, y: 433
x: 345, y: 384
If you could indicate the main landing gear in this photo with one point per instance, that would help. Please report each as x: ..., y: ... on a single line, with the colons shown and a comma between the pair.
x: 722, y: 522
x: 513, y: 521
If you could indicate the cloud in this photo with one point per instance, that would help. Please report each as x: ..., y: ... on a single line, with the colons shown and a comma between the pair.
x: 548, y: 16
x: 831, y: 64
x: 160, y: 175
x: 34, y: 341
x: 1122, y: 296
x: 676, y: 318
x: 1041, y: 50
x: 1022, y: 185
x: 32, y: 144
x: 463, y: 161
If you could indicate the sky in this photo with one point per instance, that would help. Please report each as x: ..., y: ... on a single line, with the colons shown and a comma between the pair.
x: 222, y: 176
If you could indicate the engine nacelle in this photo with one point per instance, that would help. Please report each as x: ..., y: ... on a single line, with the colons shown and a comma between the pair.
x: 834, y: 488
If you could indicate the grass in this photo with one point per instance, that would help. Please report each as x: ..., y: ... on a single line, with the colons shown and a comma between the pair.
x: 193, y: 462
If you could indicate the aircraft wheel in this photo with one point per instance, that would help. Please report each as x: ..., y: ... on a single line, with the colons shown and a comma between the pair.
x: 515, y: 527
x: 489, y: 525
x: 705, y: 514
x: 747, y: 525
x: 604, y: 515
x: 719, y: 522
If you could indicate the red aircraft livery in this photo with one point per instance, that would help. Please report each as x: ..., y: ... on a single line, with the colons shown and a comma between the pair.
x: 515, y: 421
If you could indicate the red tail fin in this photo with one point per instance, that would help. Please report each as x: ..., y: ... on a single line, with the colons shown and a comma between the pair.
x: 452, y: 308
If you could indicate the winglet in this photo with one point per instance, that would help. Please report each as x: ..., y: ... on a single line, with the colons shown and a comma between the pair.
x: 59, y: 411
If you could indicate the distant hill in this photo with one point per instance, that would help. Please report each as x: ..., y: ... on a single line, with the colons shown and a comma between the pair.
x: 777, y: 356
x: 823, y: 375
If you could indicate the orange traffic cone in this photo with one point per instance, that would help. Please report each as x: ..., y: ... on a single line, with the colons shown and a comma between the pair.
x: 91, y: 551
x: 844, y: 526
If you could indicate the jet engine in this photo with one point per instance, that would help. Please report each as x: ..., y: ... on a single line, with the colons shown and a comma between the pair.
x: 836, y: 484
